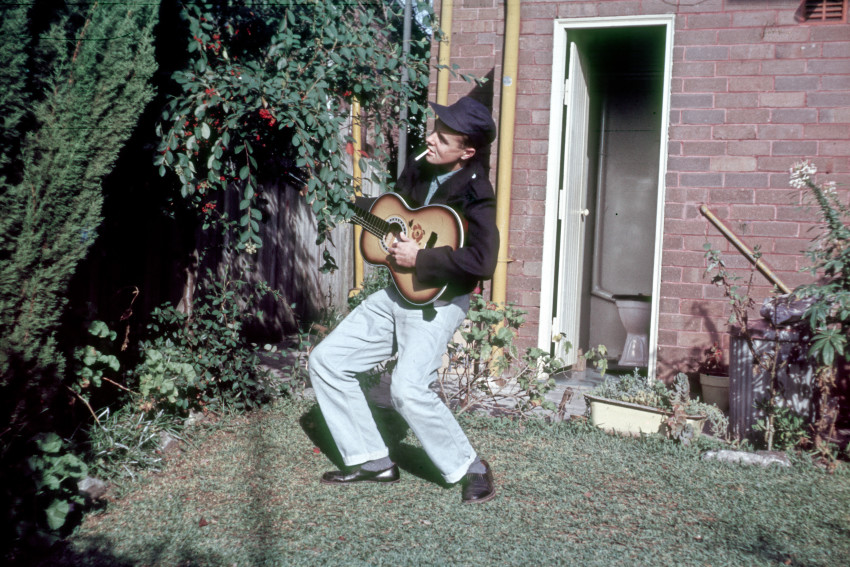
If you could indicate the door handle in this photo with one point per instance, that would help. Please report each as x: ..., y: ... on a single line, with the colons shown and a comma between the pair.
x: 584, y: 213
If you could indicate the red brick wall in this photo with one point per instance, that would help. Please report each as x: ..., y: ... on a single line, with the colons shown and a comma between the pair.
x: 753, y: 91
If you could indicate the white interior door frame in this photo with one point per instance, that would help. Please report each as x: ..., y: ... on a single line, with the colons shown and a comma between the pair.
x: 549, y: 283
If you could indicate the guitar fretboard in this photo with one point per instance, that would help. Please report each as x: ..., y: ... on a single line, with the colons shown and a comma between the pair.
x: 371, y: 223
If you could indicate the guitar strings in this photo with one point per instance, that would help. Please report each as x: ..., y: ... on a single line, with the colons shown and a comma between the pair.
x: 373, y: 224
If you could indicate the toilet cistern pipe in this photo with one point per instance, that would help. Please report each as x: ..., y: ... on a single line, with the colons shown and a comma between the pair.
x: 743, y: 249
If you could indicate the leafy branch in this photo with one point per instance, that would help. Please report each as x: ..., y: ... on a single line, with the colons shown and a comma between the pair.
x: 273, y: 83
x: 477, y: 377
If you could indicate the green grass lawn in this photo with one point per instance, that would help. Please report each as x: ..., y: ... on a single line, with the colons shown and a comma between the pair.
x: 567, y: 495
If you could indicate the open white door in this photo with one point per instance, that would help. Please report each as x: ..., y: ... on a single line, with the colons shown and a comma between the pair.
x: 566, y: 314
x: 571, y: 208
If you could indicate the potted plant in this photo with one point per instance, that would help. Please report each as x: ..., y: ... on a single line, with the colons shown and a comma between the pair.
x: 635, y: 405
x: 714, y: 378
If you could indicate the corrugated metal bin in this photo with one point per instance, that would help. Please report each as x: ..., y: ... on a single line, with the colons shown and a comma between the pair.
x: 749, y: 384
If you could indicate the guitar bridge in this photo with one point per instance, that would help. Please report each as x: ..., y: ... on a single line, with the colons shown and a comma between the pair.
x: 432, y: 240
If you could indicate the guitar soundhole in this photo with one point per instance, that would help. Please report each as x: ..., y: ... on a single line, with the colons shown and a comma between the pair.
x: 396, y: 226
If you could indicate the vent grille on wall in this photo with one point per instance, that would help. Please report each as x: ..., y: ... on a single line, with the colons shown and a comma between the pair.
x: 823, y: 11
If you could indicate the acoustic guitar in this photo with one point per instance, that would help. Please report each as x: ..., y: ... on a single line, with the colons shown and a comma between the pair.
x: 430, y: 226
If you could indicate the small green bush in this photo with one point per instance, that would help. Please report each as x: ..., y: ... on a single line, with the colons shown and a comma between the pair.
x: 39, y: 508
x: 485, y: 369
x: 377, y: 279
x: 56, y: 472
x: 789, y: 429
x: 94, y: 360
x: 204, y: 360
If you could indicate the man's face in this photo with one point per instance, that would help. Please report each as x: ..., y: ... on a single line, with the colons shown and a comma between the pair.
x: 447, y: 149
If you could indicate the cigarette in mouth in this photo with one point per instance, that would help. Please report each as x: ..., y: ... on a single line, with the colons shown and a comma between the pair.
x: 420, y: 156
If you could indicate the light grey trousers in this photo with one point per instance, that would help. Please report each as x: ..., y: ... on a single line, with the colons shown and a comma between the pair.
x: 368, y: 336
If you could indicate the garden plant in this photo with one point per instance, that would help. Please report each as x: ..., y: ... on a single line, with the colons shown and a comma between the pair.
x: 485, y: 371
x: 74, y: 82
x: 261, y: 89
x: 276, y: 81
x: 637, y: 388
x: 827, y: 313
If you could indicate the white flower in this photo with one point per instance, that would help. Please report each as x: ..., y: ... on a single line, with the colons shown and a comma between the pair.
x: 802, y: 173
x: 829, y: 188
x: 251, y: 248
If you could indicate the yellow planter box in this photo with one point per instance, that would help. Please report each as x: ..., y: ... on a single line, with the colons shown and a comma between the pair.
x: 633, y: 419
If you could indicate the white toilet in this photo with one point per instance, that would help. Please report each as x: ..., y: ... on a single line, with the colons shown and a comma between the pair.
x: 634, y: 313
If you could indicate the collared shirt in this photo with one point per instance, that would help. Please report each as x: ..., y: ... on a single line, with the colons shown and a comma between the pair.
x: 435, y: 184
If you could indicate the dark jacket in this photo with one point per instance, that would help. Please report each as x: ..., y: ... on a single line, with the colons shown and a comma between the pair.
x: 470, y: 194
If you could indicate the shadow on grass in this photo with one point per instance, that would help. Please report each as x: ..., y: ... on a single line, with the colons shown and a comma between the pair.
x: 410, y: 458
x: 99, y: 551
x: 96, y: 552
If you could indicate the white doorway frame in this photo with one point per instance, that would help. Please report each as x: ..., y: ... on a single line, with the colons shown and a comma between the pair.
x: 548, y: 283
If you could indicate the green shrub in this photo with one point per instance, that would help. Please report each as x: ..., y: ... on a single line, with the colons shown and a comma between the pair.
x: 204, y: 360
x: 39, y: 507
x: 485, y: 369
x: 163, y: 378
x: 86, y: 100
x: 75, y: 79
x: 828, y: 314
x: 56, y: 472
x: 94, y: 361
x: 788, y: 428
x: 276, y: 81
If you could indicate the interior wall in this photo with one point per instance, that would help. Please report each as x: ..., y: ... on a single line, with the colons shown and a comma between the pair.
x: 625, y: 73
x: 626, y: 203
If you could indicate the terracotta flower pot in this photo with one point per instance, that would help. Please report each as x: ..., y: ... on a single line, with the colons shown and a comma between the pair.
x: 715, y: 390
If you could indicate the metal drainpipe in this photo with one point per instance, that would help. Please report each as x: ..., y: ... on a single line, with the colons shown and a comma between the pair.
x: 445, y: 54
x: 358, y: 180
x: 506, y: 146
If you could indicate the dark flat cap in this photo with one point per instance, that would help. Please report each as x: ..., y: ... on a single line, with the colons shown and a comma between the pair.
x: 470, y: 117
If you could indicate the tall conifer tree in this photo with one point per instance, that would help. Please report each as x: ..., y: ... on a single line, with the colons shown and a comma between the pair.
x: 89, y: 81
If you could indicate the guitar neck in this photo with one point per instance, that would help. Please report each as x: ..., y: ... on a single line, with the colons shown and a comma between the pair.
x: 370, y: 223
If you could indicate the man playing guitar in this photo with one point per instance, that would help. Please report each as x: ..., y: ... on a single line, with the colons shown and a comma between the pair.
x: 386, y: 323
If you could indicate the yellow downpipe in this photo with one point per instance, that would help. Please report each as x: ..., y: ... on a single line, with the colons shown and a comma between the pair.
x: 445, y: 53
x: 504, y: 172
x: 358, y: 180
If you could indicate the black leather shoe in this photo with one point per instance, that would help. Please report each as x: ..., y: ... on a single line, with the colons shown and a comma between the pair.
x: 478, y: 487
x: 360, y: 475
